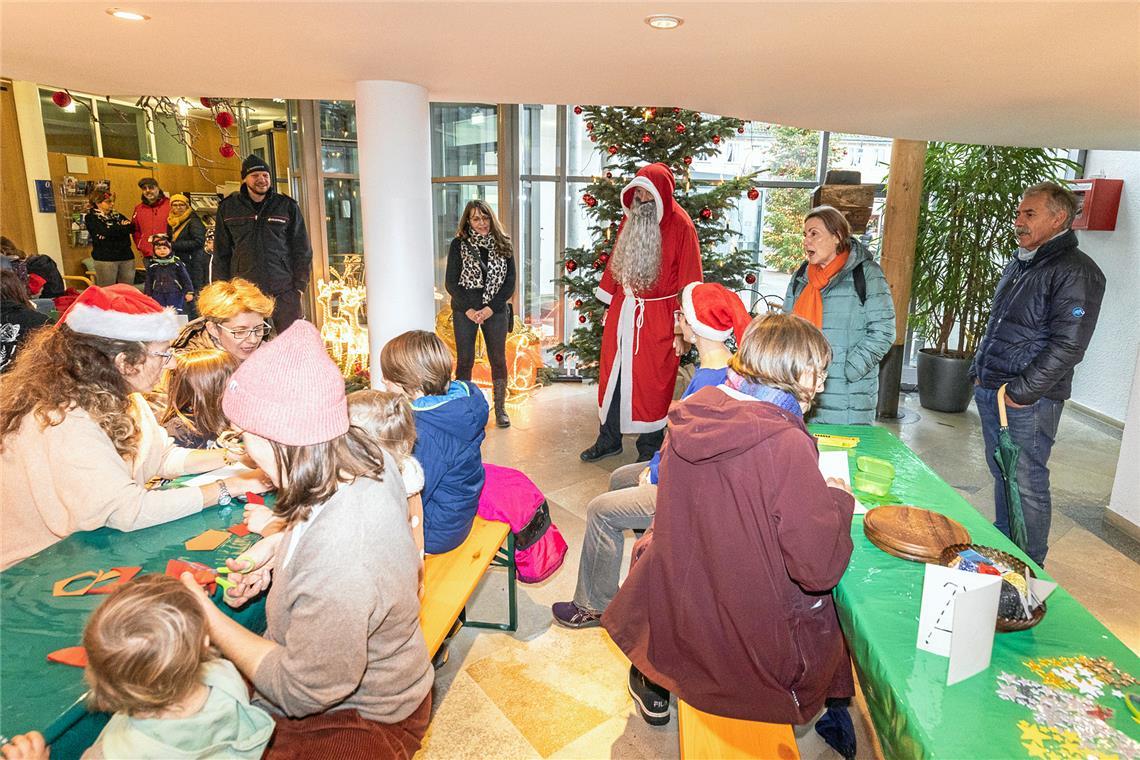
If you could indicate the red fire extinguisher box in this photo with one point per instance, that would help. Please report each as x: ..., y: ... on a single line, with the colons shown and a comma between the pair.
x: 1098, y: 201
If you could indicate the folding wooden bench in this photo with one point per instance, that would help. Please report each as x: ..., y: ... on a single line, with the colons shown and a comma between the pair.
x: 451, y: 578
x: 712, y: 737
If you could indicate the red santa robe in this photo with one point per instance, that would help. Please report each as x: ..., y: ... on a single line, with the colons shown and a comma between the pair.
x: 637, y: 340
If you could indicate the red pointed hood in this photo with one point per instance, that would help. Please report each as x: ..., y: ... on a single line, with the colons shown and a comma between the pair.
x: 658, y: 180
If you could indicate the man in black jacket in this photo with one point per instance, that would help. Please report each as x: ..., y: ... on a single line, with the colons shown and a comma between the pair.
x: 1044, y: 313
x: 260, y: 236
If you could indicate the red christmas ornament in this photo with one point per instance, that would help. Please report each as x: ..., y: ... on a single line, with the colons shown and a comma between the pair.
x: 589, y: 200
x: 750, y: 278
x: 753, y: 193
x: 593, y: 138
x: 716, y: 139
x: 582, y: 318
x: 206, y: 102
x: 226, y: 150
x: 676, y: 111
x: 613, y: 149
x: 597, y: 264
x: 577, y: 111
x: 740, y: 130
x: 706, y: 213
x: 688, y: 160
x: 604, y: 258
x: 609, y: 175
x: 558, y: 358
x: 224, y: 119
x: 646, y: 138
x: 589, y: 126
x: 679, y: 129
x: 61, y: 98
x: 577, y: 305
x: 571, y: 266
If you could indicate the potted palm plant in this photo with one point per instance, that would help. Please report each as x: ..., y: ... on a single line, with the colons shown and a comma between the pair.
x: 965, y: 237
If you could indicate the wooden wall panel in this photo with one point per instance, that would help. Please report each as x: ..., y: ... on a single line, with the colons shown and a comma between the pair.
x: 16, y: 215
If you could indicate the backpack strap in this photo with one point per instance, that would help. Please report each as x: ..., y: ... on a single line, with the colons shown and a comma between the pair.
x: 795, y: 278
x: 859, y: 280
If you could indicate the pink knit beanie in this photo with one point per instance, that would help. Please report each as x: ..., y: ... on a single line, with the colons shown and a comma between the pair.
x: 289, y: 390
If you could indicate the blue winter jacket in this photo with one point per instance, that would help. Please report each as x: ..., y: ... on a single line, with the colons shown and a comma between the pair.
x: 449, y: 432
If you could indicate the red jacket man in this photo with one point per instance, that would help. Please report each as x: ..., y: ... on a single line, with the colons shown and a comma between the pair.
x: 656, y: 255
x: 150, y: 216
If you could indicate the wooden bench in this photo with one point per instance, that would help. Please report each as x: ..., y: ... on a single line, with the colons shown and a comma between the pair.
x: 451, y: 578
x: 712, y: 737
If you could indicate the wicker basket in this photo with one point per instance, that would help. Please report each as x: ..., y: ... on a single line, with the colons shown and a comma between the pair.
x: 1004, y: 624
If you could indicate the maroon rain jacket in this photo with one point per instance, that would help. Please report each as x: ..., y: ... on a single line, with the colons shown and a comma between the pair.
x: 730, y: 606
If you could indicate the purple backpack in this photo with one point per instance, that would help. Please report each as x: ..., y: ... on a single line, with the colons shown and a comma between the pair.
x: 511, y: 497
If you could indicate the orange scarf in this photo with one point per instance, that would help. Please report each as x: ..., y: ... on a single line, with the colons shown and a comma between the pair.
x: 810, y: 303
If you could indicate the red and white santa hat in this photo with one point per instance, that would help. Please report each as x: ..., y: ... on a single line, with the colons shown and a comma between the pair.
x: 714, y: 311
x: 120, y: 312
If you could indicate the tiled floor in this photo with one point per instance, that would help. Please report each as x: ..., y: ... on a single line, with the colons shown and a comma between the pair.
x: 550, y: 692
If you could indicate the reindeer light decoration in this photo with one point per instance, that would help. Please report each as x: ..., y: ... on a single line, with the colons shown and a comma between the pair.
x: 341, y: 300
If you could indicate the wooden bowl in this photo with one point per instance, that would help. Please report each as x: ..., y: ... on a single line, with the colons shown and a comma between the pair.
x: 912, y: 533
x: 1004, y: 624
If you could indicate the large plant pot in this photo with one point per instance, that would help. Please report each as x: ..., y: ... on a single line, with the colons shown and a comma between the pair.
x: 944, y: 381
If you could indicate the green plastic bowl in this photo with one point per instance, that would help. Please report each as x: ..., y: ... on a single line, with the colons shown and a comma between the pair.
x: 880, y: 468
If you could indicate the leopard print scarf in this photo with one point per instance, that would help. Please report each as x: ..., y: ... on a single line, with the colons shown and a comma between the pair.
x: 482, y: 266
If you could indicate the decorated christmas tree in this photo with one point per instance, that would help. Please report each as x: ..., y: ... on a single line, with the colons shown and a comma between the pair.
x: 628, y: 139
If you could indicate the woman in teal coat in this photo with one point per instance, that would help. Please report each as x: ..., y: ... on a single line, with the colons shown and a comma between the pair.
x: 841, y: 290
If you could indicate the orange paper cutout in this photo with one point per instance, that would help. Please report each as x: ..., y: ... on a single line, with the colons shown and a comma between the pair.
x: 205, y: 576
x: 240, y: 529
x: 75, y: 656
x: 60, y: 587
x: 207, y: 541
x: 125, y: 574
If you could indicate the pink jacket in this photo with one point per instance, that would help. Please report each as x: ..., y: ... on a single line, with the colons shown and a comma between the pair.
x: 510, y: 496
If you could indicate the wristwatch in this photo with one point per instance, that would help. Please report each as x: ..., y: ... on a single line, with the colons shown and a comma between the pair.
x: 224, y: 497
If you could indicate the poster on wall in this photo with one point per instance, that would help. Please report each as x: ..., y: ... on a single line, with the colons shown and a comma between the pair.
x: 45, y: 196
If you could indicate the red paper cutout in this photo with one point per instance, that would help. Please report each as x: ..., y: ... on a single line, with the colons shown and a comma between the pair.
x: 75, y: 656
x: 125, y: 575
x: 241, y: 529
x: 205, y: 576
x: 254, y: 498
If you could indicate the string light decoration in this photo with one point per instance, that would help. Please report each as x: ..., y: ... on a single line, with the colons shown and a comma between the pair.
x: 342, y: 300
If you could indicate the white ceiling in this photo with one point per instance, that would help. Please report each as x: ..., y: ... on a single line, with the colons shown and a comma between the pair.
x: 1034, y: 72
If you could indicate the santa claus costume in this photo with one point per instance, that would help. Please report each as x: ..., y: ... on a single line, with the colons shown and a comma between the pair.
x: 638, y: 366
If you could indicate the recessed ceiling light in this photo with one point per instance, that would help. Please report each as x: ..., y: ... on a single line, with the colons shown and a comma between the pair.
x: 127, y: 15
x: 664, y: 21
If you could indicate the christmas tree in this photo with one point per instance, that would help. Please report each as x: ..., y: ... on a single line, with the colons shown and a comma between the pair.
x: 629, y: 138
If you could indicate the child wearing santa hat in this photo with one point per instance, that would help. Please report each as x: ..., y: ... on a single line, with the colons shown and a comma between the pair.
x: 78, y: 443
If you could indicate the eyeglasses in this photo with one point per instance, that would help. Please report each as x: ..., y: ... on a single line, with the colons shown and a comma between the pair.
x: 165, y: 355
x: 244, y: 334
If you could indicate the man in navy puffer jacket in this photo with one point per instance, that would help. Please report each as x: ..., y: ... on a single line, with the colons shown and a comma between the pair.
x: 1044, y: 313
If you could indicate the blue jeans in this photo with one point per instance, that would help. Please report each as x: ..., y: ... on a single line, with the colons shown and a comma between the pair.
x: 1034, y: 429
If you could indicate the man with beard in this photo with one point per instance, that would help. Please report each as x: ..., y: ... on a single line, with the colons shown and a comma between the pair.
x: 149, y: 218
x: 260, y: 236
x: 657, y: 254
x: 1044, y: 313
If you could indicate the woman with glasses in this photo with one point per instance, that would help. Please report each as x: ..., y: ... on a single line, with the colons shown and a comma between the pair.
x: 78, y: 444
x: 232, y: 318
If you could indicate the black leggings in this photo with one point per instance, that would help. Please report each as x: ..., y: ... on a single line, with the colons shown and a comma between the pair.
x: 494, y: 336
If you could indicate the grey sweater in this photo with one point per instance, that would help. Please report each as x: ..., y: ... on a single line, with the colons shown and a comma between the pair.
x: 345, y: 613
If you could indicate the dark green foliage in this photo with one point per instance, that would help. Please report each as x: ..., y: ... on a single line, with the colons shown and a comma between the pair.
x: 625, y: 128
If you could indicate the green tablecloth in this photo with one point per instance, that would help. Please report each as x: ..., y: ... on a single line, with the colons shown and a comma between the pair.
x: 915, y: 714
x: 40, y: 695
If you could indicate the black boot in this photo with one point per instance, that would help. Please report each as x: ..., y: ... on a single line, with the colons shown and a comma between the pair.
x: 500, y: 391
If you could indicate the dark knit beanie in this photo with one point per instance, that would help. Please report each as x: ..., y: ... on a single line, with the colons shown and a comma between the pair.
x: 252, y: 164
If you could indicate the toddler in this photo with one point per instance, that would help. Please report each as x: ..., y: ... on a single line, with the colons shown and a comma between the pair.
x: 167, y: 279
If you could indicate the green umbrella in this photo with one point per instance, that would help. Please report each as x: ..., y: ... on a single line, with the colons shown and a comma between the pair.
x: 1006, y: 455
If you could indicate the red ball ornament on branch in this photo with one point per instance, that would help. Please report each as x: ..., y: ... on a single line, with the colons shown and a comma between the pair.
x: 676, y: 111
x: 613, y: 149
x: 582, y: 318
x: 646, y: 138
x: 597, y: 264
x: 679, y: 129
x: 706, y: 213
x: 206, y: 102
x: 740, y: 130
x: 224, y: 119
x: 609, y: 175
x: 688, y: 160
x: 750, y: 278
x: 558, y: 358
x: 589, y: 200
x: 589, y: 126
x: 61, y: 98
x: 716, y: 139
x: 604, y: 258
x: 578, y: 112
x: 226, y: 150
x: 577, y: 303
x: 593, y: 138
x: 753, y: 193
x: 571, y: 265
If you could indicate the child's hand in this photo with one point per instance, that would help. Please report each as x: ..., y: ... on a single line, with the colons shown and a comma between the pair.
x: 29, y: 746
x: 838, y: 483
x: 258, y: 517
x: 251, y: 572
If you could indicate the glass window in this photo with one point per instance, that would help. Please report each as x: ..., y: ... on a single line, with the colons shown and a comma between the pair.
x: 338, y: 120
x: 464, y: 140
x: 342, y: 221
x: 339, y: 157
x: 123, y: 132
x: 537, y: 254
x: 448, y: 200
x: 68, y: 130
x: 538, y: 140
x: 582, y: 160
x: 782, y: 241
x: 775, y: 151
x: 870, y: 156
x: 169, y: 149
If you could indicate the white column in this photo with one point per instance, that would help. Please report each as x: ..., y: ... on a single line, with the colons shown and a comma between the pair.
x: 393, y: 130
x: 1124, y: 506
x: 33, y: 143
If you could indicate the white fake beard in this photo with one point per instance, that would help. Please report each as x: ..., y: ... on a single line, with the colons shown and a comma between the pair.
x: 636, y: 261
